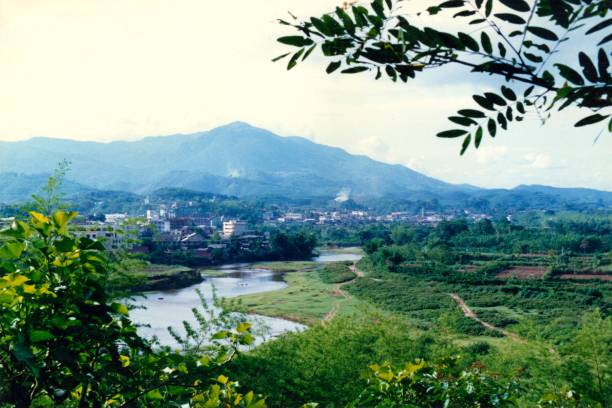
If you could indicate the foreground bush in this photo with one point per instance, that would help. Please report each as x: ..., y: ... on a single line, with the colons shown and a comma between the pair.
x: 64, y: 342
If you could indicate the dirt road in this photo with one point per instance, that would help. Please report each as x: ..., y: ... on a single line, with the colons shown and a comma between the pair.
x: 467, y: 312
x: 339, y: 292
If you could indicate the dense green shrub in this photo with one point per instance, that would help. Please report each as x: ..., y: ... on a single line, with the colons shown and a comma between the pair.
x: 337, y: 272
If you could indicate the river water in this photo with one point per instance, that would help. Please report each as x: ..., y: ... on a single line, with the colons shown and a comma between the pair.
x: 166, y: 308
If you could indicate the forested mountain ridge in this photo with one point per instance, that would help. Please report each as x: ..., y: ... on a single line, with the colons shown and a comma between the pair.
x: 241, y: 160
x: 233, y: 159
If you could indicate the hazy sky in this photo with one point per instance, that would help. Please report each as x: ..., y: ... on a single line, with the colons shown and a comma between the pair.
x: 125, y: 69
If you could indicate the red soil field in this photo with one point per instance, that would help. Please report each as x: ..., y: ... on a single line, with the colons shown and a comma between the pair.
x: 522, y: 272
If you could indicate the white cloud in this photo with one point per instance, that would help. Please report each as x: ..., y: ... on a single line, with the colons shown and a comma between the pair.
x: 538, y: 160
x: 125, y: 69
x: 373, y: 146
x: 489, y: 154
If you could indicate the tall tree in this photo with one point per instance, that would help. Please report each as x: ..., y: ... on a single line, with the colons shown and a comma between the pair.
x: 513, y: 39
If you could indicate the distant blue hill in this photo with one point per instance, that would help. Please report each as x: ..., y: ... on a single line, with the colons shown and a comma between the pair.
x: 236, y: 159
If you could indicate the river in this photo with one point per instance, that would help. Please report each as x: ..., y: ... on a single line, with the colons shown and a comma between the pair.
x: 166, y: 308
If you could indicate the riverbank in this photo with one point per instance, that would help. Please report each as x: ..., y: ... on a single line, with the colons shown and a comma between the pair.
x: 307, y: 299
x: 150, y: 277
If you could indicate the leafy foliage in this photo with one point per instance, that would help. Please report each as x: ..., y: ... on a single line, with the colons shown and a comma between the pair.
x: 337, y: 272
x: 65, y: 342
x: 517, y: 42
x: 421, y: 384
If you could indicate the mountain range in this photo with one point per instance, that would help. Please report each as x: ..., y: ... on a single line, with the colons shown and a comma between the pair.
x: 236, y: 159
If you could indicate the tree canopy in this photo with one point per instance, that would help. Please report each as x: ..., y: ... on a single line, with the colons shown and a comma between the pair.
x: 513, y: 39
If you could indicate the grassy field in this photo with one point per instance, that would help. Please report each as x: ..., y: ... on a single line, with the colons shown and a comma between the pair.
x: 155, y: 270
x: 306, y: 300
x: 289, y: 266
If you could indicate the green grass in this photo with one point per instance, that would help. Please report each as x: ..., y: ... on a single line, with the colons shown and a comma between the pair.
x: 142, y: 268
x: 337, y: 272
x: 343, y: 250
x: 306, y: 300
x: 212, y: 273
x: 289, y: 266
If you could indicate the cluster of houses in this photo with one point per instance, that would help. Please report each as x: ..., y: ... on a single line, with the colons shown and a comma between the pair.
x: 350, y: 218
x: 197, y: 236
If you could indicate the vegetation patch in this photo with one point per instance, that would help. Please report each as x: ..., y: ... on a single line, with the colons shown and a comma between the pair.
x: 306, y: 300
x: 337, y: 272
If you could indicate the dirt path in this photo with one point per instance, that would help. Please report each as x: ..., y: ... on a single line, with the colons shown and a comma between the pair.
x: 467, y: 312
x: 339, y: 292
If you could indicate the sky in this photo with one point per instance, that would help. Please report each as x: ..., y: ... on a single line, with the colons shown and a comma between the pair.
x: 124, y: 69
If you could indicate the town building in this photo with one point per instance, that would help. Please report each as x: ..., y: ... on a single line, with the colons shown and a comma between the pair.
x: 234, y: 228
x: 6, y: 222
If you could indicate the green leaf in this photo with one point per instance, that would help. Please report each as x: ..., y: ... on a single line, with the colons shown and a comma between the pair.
x: 310, y: 50
x: 377, y: 6
x: 65, y: 245
x: 603, y: 63
x: 355, y: 70
x: 243, y: 327
x: 37, y: 336
x: 469, y: 42
x: 11, y: 250
x: 508, y: 93
x: 588, y: 68
x: 600, y: 26
x: 280, y: 57
x: 543, y: 33
x: 510, y: 18
x: 294, y: 59
x: 589, y: 120
x: 569, y: 74
x: 120, y: 309
x: 319, y: 25
x: 221, y: 335
x: 346, y: 20
x: 61, y: 218
x: 484, y: 102
x: 486, y: 43
x: 462, y: 120
x: 488, y: 7
x: 42, y: 401
x: 471, y: 113
x: 466, y: 144
x: 333, y: 66
x: 501, y: 119
x: 532, y: 57
x: 464, y: 13
x: 295, y: 40
x: 605, y: 40
x: 478, y: 137
x: 451, y: 4
x: 492, y: 127
x: 154, y: 395
x: 452, y: 133
x: 528, y: 91
x: 496, y: 99
x: 517, y: 5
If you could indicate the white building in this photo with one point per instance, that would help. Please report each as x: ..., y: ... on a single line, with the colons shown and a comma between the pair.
x: 234, y: 228
x: 116, y: 218
x: 105, y: 233
x: 6, y: 222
